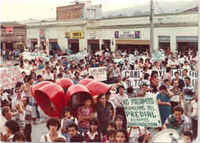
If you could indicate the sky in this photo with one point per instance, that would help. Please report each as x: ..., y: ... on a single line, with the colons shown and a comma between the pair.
x: 18, y: 10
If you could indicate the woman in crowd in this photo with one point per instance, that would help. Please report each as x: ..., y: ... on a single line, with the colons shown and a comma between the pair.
x: 105, y: 112
x: 122, y: 136
x: 154, y: 81
x: 164, y: 103
x: 53, y: 126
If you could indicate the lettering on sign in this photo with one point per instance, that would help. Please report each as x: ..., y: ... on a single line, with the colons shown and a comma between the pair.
x: 127, y: 35
x: 142, y: 112
x: 99, y: 73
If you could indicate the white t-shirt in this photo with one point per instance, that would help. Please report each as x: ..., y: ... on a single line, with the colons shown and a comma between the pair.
x: 134, y: 134
x: 2, y: 123
x: 46, y: 138
x: 48, y: 76
x: 118, y: 100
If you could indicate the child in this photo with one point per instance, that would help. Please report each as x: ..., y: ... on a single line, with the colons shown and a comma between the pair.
x: 119, y: 122
x: 111, y: 127
x: 74, y: 136
x: 187, y: 137
x: 66, y: 121
x: 19, y: 137
x: 135, y: 133
x: 121, y: 136
x: 93, y: 134
x: 111, y: 136
x: 85, y: 115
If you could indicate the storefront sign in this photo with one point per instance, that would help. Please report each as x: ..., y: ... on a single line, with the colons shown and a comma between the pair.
x: 77, y: 35
x: 9, y: 30
x: 127, y: 35
x: 99, y: 74
x: 142, y: 112
x: 67, y: 35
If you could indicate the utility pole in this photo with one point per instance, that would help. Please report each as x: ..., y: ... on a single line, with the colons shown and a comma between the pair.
x: 151, y: 27
x: 198, y: 63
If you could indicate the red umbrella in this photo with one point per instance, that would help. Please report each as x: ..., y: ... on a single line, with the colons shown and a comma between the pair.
x: 65, y: 83
x: 51, y: 99
x: 37, y: 86
x: 85, y: 81
x: 96, y: 88
x: 75, y: 95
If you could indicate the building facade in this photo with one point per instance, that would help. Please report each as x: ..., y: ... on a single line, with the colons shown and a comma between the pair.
x: 13, y: 35
x: 177, y: 31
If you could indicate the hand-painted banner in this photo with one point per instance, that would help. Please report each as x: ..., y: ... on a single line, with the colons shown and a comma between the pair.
x: 99, y: 73
x: 139, y: 73
x: 134, y: 76
x: 133, y: 82
x: 142, y: 112
x: 192, y: 74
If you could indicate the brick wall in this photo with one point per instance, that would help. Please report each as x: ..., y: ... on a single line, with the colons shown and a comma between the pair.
x: 69, y: 12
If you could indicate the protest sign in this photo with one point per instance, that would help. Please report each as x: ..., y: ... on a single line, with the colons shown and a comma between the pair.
x: 33, y: 56
x: 133, y: 82
x: 132, y: 73
x: 78, y: 56
x: 193, y: 75
x: 139, y: 73
x: 131, y: 59
x: 9, y: 76
x: 142, y: 111
x: 98, y: 73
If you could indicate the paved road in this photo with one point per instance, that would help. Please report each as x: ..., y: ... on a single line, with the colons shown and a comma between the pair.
x: 38, y: 131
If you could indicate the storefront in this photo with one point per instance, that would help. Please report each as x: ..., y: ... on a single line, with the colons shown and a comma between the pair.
x: 106, y: 45
x: 34, y: 43
x: 93, y: 46
x: 53, y: 46
x: 164, y: 42
x: 133, y: 45
x: 186, y: 44
x: 74, y: 40
x: 131, y: 41
x: 73, y: 45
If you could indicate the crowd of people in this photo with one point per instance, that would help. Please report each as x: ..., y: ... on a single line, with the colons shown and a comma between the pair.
x: 103, y: 119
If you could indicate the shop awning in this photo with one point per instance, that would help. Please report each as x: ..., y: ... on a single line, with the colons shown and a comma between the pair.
x: 34, y: 40
x: 70, y: 41
x: 52, y: 40
x: 93, y: 41
x: 164, y: 39
x: 132, y: 42
x: 187, y: 39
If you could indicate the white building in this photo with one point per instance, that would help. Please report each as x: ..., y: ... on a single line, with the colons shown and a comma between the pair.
x: 174, y: 30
